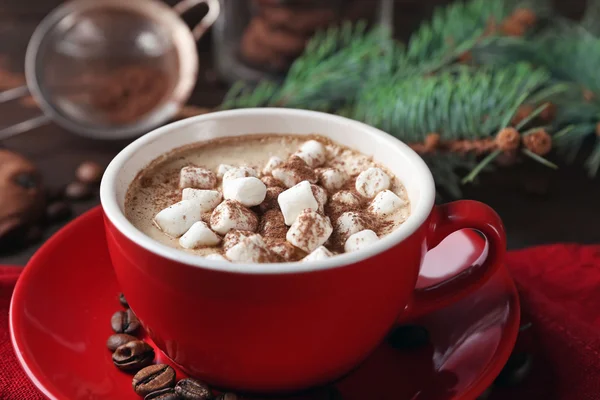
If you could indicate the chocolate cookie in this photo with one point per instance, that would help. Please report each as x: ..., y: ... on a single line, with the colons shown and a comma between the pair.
x: 278, y: 40
x: 257, y: 54
x: 360, y: 10
x: 301, y: 20
x: 21, y: 196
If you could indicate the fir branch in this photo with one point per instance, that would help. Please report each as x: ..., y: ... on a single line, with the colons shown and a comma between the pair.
x: 469, y: 104
x: 331, y: 71
x: 456, y: 29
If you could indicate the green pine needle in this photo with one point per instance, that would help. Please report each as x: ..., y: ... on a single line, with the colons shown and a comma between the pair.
x: 531, y: 116
x: 485, y: 162
x: 469, y: 104
x: 539, y: 159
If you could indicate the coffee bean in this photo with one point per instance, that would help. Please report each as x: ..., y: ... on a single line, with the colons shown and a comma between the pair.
x: 119, y: 339
x: 133, y: 356
x: 58, y: 211
x: 125, y: 322
x: 408, y: 337
x: 153, y: 378
x: 227, y: 396
x: 78, y: 191
x: 89, y: 172
x: 123, y: 301
x: 191, y: 389
x: 163, y: 394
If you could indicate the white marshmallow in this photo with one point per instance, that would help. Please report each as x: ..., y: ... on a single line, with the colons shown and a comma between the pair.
x: 284, y: 250
x: 346, y: 198
x: 309, y: 231
x: 333, y: 179
x: 348, y: 224
x: 385, y: 203
x: 208, y: 199
x: 272, y: 163
x: 233, y: 237
x: 199, y: 235
x: 313, y: 153
x: 196, y: 177
x: 175, y: 220
x: 294, y: 171
x: 296, y: 199
x: 249, y: 249
x: 360, y: 240
x: 320, y: 253
x: 232, y: 215
x: 215, y: 256
x: 239, y: 172
x: 249, y: 191
x: 222, y: 169
x: 285, y: 176
x: 321, y: 197
x: 372, y: 181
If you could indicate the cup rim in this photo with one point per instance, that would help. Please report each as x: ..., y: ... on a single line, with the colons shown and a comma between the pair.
x: 113, y: 212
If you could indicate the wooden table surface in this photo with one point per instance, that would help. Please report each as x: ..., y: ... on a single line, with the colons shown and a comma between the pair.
x: 568, y: 211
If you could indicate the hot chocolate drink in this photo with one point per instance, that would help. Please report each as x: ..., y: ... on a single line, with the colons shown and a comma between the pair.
x: 266, y: 198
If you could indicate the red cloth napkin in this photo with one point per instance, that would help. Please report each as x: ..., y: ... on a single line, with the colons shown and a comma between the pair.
x: 14, y: 384
x: 560, y: 294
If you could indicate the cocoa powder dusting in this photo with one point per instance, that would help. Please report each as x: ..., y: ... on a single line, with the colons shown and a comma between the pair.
x: 269, y: 181
x: 272, y: 225
x: 299, y: 169
x: 270, y: 202
x: 126, y: 94
x: 233, y: 237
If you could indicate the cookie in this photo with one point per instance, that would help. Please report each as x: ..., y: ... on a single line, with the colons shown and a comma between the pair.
x: 21, y: 196
x: 257, y: 54
x: 360, y: 10
x: 279, y: 40
x: 301, y: 20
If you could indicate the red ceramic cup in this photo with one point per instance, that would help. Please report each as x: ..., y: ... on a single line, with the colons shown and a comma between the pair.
x: 284, y: 327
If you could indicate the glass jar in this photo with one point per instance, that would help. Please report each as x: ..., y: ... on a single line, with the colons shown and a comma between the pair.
x: 256, y: 39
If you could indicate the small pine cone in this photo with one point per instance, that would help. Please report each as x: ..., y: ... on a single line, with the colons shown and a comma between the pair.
x: 538, y: 142
x: 548, y: 114
x: 523, y: 112
x: 525, y: 16
x: 418, y: 148
x: 508, y: 139
x: 465, y: 57
x: 512, y: 27
x: 588, y: 95
x: 432, y: 141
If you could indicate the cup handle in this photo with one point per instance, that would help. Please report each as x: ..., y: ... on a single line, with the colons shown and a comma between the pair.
x: 443, y: 221
x: 214, y: 9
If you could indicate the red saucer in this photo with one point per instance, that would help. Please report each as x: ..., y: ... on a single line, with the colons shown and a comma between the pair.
x: 62, y: 304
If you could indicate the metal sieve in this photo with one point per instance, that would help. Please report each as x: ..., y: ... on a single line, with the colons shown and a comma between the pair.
x: 111, y: 69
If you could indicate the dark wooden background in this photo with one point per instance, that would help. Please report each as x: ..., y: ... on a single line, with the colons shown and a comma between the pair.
x: 537, y: 205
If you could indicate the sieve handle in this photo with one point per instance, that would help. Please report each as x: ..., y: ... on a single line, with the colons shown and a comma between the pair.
x: 214, y: 9
x: 24, y: 126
